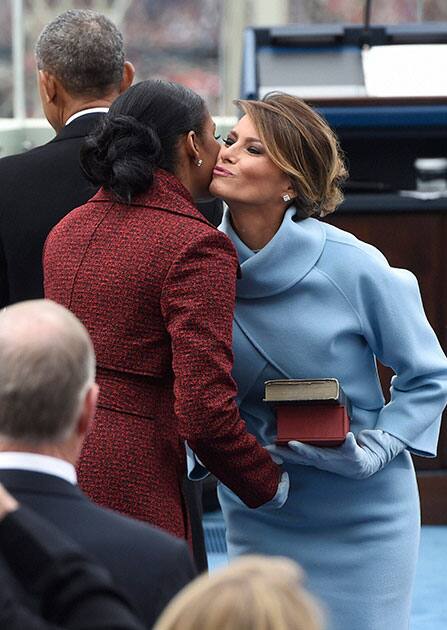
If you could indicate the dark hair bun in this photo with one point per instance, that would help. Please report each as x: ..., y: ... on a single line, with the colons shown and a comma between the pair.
x: 121, y: 156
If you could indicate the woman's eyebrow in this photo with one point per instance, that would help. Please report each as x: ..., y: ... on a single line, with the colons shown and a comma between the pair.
x: 248, y: 139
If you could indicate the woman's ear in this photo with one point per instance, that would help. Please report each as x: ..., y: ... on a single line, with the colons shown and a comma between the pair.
x: 289, y: 192
x: 192, y: 147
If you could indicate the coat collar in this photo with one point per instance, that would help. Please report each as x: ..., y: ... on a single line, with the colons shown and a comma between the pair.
x: 79, y: 128
x: 283, y: 262
x: 167, y: 193
x: 29, y: 481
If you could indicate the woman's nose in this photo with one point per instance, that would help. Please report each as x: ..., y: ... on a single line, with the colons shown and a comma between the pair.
x: 226, y: 154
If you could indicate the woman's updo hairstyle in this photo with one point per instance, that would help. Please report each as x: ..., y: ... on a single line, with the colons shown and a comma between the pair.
x: 139, y: 134
x: 303, y: 146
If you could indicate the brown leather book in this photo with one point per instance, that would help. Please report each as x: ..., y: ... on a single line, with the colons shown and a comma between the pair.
x: 304, y: 391
x: 317, y: 424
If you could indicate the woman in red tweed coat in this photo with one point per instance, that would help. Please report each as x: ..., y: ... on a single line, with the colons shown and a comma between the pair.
x: 154, y: 283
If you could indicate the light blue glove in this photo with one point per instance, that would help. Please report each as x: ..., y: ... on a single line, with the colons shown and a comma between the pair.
x: 359, y: 459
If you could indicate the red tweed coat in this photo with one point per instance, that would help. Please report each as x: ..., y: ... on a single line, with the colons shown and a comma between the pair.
x: 154, y: 283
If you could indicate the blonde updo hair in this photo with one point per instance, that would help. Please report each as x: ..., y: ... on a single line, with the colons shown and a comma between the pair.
x: 252, y: 593
x: 302, y: 145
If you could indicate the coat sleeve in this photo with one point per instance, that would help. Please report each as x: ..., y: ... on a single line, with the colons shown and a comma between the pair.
x: 398, y: 332
x: 197, y: 303
x: 73, y: 591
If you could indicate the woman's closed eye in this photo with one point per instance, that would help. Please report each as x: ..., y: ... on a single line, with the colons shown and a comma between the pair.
x: 254, y: 150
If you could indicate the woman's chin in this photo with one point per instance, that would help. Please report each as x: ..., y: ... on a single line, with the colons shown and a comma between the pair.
x: 214, y: 189
x: 218, y: 190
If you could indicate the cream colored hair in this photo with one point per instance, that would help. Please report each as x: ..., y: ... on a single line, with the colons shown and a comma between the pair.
x: 252, y: 593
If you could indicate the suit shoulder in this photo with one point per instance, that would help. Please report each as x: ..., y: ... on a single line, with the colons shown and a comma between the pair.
x: 35, y: 156
x: 11, y: 164
x: 18, y: 160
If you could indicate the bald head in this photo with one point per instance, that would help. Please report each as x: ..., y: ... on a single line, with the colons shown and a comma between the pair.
x: 47, y: 364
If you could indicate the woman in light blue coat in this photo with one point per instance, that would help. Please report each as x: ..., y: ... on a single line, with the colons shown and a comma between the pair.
x: 315, y: 302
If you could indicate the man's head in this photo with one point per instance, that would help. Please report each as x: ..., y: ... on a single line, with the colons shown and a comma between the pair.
x: 80, y: 62
x: 47, y: 372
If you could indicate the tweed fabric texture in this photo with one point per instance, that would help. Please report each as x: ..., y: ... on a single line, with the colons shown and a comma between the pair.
x: 154, y: 284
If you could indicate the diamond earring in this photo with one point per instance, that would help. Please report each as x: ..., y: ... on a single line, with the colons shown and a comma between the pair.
x: 286, y: 197
x: 199, y: 162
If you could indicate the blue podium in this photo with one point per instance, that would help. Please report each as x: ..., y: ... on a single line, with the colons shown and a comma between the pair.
x: 381, y: 137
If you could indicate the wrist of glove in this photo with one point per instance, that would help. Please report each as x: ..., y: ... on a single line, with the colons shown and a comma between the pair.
x: 356, y: 459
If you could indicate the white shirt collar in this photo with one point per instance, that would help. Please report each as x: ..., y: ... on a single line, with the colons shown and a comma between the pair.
x: 39, y: 463
x: 83, y: 112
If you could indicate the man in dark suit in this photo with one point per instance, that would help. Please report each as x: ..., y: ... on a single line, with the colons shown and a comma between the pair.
x: 81, y: 70
x: 47, y: 399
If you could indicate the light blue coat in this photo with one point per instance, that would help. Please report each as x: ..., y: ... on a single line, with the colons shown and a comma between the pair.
x: 316, y: 302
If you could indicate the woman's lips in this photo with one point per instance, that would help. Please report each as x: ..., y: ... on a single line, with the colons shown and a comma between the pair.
x: 219, y: 170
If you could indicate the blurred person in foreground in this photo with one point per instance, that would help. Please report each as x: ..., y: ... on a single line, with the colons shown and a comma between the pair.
x: 72, y: 590
x: 81, y: 69
x: 47, y: 400
x: 252, y: 593
x: 316, y: 302
x: 154, y: 284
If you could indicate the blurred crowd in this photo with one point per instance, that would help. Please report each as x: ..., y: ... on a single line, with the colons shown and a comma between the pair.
x: 179, y: 39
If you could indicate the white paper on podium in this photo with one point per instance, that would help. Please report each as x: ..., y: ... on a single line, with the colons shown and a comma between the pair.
x: 405, y: 70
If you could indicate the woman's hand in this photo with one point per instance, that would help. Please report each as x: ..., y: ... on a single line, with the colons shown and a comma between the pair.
x: 7, y: 503
x: 359, y: 459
